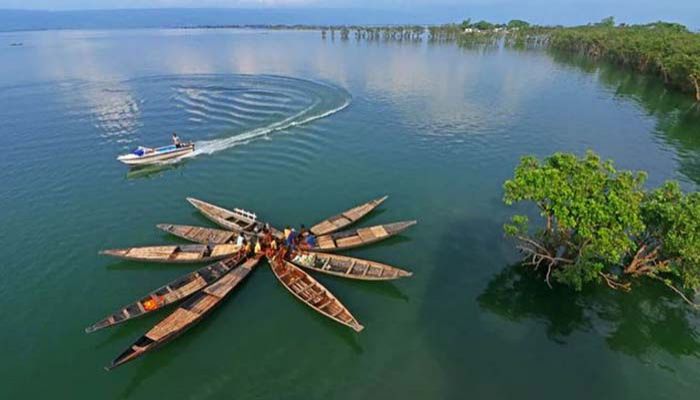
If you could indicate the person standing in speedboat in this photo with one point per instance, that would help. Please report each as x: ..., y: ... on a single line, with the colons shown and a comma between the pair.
x: 176, y: 140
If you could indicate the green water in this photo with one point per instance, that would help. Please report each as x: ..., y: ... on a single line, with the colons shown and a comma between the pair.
x: 296, y: 128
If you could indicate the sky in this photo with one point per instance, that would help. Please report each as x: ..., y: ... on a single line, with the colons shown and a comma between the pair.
x: 539, y: 11
x: 382, y: 4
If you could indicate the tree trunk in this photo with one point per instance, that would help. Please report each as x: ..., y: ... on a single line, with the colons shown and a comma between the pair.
x: 696, y: 83
x: 644, y: 262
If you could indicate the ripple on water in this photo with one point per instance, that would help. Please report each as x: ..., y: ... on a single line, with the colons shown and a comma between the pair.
x: 215, y: 111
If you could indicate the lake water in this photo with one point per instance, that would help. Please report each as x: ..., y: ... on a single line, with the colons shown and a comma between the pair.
x: 297, y: 128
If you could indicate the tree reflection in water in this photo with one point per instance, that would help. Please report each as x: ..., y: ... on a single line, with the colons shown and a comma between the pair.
x: 677, y: 116
x: 639, y: 323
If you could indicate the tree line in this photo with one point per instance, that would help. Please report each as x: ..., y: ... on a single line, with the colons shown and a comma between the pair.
x: 667, y: 50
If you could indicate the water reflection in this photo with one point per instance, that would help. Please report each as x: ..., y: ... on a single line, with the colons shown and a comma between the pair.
x: 115, y: 109
x: 639, y: 323
x: 153, y: 171
x: 67, y: 55
x: 677, y: 116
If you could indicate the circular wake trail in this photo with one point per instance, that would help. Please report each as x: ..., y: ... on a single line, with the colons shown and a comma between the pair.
x: 301, y: 118
x: 254, y: 106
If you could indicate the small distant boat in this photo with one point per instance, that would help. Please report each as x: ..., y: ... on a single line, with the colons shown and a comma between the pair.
x: 145, y: 155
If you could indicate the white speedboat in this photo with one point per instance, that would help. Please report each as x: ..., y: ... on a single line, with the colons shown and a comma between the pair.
x: 146, y: 155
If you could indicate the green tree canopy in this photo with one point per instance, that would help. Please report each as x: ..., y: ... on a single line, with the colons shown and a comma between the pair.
x: 607, y: 22
x: 600, y: 225
x: 483, y: 25
x: 467, y: 23
x: 517, y: 23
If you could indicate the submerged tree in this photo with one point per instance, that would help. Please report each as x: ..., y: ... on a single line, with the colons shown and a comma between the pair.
x: 600, y: 225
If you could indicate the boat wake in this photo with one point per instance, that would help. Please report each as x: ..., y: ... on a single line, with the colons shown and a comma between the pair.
x: 219, y: 112
x: 301, y: 118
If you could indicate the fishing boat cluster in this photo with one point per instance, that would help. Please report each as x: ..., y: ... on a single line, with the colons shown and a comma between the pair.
x: 234, y: 257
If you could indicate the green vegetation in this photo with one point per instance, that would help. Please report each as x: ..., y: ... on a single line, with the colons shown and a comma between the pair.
x: 664, y: 49
x: 518, y: 24
x: 601, y: 225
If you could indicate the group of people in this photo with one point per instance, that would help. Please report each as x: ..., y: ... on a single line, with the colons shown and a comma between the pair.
x: 304, y: 238
x: 265, y: 243
x: 257, y: 245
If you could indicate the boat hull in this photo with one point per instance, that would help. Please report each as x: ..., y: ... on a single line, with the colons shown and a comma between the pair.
x: 187, y: 315
x: 348, y: 267
x: 199, y: 234
x: 238, y: 220
x: 175, y: 254
x: 346, y: 218
x: 172, y: 292
x: 155, y: 158
x: 310, y: 292
x: 359, y: 237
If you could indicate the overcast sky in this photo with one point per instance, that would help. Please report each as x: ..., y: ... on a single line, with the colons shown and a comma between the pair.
x: 539, y: 11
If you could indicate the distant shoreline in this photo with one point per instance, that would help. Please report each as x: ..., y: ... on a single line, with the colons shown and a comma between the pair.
x: 308, y: 18
x: 279, y: 27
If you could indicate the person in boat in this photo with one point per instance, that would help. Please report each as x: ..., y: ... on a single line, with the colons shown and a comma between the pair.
x: 176, y: 140
x: 292, y: 239
x: 273, y: 244
x: 303, y: 233
x: 248, y: 247
x: 258, y: 247
x: 267, y: 237
x: 311, y: 241
x: 287, y: 236
x: 240, y: 240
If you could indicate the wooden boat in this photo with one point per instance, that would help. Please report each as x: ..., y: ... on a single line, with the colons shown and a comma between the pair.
x: 199, y: 234
x: 187, y: 253
x: 186, y: 315
x: 346, y: 218
x: 359, y: 237
x: 170, y: 293
x: 147, y: 155
x: 237, y: 220
x: 312, y: 293
x: 348, y: 267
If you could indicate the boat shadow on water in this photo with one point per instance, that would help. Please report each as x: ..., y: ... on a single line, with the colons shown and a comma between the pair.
x: 382, y: 288
x: 347, y: 336
x: 154, y: 170
x: 127, y: 265
x: 147, y: 367
x: 135, y: 327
